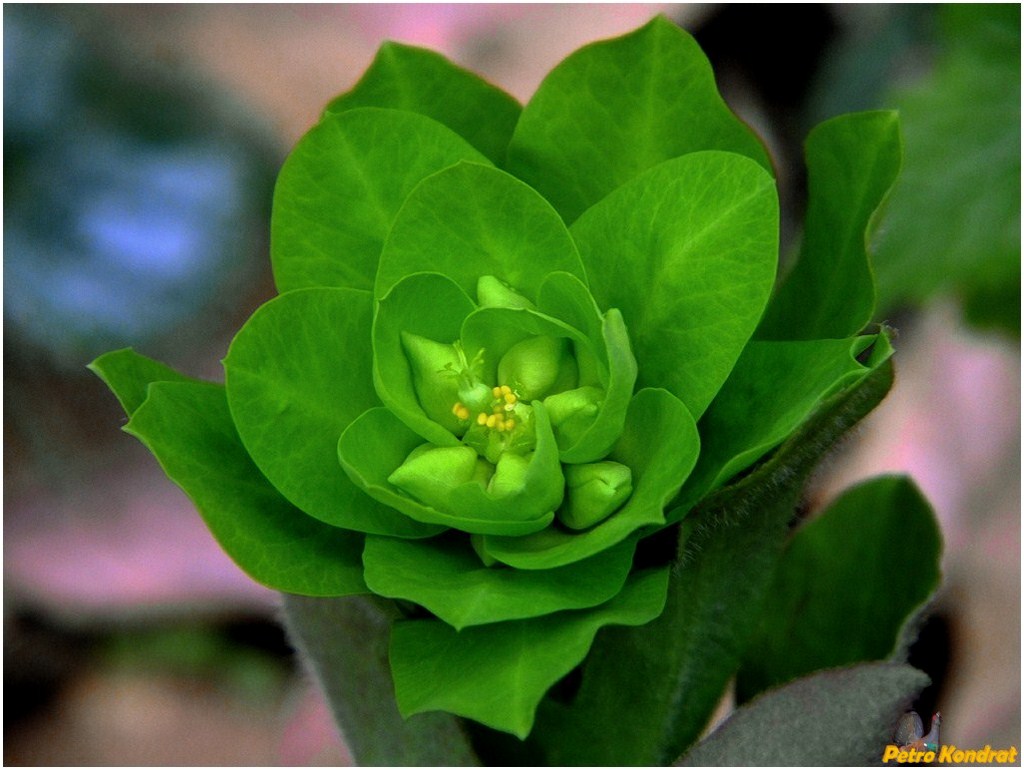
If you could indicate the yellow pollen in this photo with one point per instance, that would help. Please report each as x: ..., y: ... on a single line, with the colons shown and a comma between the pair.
x: 496, y: 392
x: 460, y: 411
x: 481, y: 419
x: 505, y: 390
x: 510, y: 424
x: 510, y: 398
x: 492, y: 421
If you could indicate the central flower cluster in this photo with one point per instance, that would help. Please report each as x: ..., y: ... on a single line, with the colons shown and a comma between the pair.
x: 549, y: 392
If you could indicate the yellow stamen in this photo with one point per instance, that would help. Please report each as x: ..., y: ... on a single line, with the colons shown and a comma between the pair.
x: 496, y: 391
x: 492, y: 420
x: 481, y: 419
x: 505, y: 390
x: 510, y: 424
x: 510, y: 398
x: 460, y: 411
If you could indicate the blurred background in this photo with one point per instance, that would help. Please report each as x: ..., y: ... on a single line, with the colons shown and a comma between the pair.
x: 140, y: 148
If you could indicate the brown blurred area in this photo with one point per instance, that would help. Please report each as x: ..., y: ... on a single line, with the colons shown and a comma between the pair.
x: 952, y: 421
x: 287, y: 61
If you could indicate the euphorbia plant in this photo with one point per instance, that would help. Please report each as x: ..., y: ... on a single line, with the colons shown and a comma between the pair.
x: 525, y: 379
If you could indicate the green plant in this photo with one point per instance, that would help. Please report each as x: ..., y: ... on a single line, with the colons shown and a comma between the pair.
x: 954, y: 223
x: 527, y: 384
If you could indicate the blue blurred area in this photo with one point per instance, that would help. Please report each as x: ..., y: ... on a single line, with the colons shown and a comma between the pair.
x: 131, y: 205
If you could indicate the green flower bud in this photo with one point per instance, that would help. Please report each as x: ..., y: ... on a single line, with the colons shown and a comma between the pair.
x: 573, y: 411
x: 430, y: 473
x: 595, y: 491
x: 475, y: 395
x: 483, y: 472
x: 537, y: 366
x: 493, y: 292
x: 435, y: 377
x: 509, y: 474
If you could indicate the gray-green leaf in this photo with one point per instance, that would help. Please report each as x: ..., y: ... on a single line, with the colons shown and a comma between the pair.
x: 345, y: 641
x: 843, y: 717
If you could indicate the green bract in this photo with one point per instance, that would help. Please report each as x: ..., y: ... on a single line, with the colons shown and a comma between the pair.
x: 508, y: 348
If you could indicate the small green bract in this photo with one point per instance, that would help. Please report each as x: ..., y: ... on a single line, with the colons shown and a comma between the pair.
x: 510, y: 345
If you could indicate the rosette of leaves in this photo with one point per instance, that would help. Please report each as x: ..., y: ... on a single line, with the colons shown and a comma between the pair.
x: 513, y: 348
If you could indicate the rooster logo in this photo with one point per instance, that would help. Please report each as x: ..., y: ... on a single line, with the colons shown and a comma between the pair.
x: 910, y: 735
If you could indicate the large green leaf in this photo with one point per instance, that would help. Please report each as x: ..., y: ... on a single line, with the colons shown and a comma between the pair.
x: 297, y: 373
x: 852, y: 162
x: 404, y: 77
x: 616, y: 108
x: 687, y: 252
x: 188, y: 427
x: 727, y: 553
x: 953, y: 223
x: 472, y: 220
x: 659, y: 444
x: 774, y: 388
x: 846, y: 585
x: 496, y: 674
x: 447, y: 577
x: 836, y: 718
x: 345, y: 643
x: 128, y: 375
x: 186, y: 424
x: 341, y: 187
